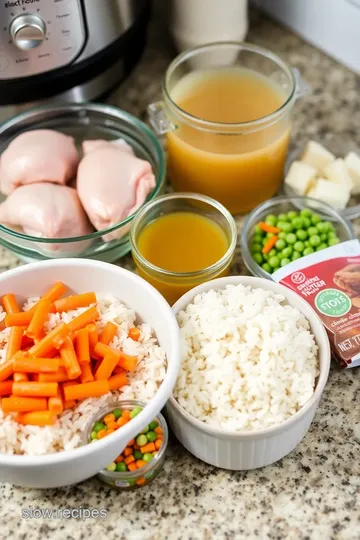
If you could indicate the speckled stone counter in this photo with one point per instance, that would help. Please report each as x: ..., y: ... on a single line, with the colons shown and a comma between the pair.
x: 315, y: 491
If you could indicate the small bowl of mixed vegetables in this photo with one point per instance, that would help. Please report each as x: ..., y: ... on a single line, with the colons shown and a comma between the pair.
x: 143, y: 458
x: 284, y: 229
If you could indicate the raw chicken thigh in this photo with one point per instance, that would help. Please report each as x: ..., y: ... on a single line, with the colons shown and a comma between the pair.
x: 112, y: 184
x: 95, y: 144
x: 41, y: 155
x: 46, y: 211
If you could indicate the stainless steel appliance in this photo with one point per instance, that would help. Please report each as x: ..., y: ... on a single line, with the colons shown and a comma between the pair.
x: 75, y: 50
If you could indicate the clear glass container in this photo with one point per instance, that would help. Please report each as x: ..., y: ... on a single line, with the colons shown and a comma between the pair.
x: 128, y: 480
x: 238, y: 164
x: 279, y: 205
x: 173, y: 285
x: 83, y: 122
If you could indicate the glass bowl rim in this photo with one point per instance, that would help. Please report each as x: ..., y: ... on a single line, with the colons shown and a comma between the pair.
x: 95, y: 107
x: 189, y: 196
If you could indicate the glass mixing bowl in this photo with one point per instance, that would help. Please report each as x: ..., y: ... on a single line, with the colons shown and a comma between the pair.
x: 83, y: 122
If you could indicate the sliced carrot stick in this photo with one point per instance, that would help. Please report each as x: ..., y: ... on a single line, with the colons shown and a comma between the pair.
x: 268, y: 228
x: 26, y: 342
x: 134, y: 333
x: 15, y: 341
x: 93, y: 339
x: 69, y: 404
x: 54, y: 293
x: 83, y: 391
x: 108, y: 333
x: 9, y: 303
x: 6, y: 369
x: 86, y: 373
x: 103, y: 350
x: 58, y: 376
x: 118, y: 369
x: 35, y: 389
x: 270, y: 244
x: 29, y: 364
x: 67, y: 353
x: 128, y: 362
x: 37, y: 418
x: 6, y: 388
x: 106, y: 367
x: 117, y: 381
x: 56, y: 404
x: 18, y: 319
x: 83, y: 346
x: 18, y: 377
x: 75, y: 301
x: 54, y: 339
x: 41, y: 313
x: 23, y: 404
x: 89, y: 316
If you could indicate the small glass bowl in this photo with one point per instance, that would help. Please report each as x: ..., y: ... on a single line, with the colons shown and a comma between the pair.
x: 173, y: 285
x: 82, y: 122
x: 128, y: 480
x: 279, y: 205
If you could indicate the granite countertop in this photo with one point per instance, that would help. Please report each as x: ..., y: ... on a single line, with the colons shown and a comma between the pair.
x: 312, y: 493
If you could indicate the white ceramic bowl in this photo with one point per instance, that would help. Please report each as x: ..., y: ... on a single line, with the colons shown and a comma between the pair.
x: 250, y: 450
x: 65, y: 468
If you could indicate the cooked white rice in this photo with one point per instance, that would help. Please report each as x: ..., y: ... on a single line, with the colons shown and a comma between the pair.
x: 249, y: 360
x: 68, y: 431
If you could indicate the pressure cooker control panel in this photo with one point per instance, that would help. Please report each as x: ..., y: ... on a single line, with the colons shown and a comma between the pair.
x: 39, y: 35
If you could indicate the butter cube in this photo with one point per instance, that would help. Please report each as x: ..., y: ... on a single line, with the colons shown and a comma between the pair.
x: 317, y: 156
x: 337, y: 172
x: 300, y: 177
x: 352, y: 162
x: 335, y: 194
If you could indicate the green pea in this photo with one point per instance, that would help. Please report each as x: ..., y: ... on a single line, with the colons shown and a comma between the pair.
x: 266, y: 267
x: 270, y: 235
x: 259, y: 231
x: 296, y: 255
x: 315, y: 240
x: 111, y: 467
x: 141, y: 439
x: 301, y: 234
x: 292, y: 214
x: 258, y: 258
x: 256, y: 248
x: 274, y: 263
x: 121, y: 467
x: 330, y: 226
x: 257, y: 238
x: 322, y: 246
x: 284, y: 262
x: 299, y: 246
x: 287, y: 227
x: 315, y: 219
x: 291, y: 238
x: 305, y: 212
x: 271, y: 219
x: 98, y: 426
x: 287, y: 252
x: 334, y: 241
x: 282, y: 217
x: 265, y: 256
x: 148, y: 457
x: 282, y: 235
x: 131, y: 481
x: 281, y: 225
x: 312, y: 231
x: 135, y: 412
x: 154, y: 424
x: 264, y: 241
x: 322, y: 227
x: 138, y: 454
x: 145, y: 430
x: 272, y: 253
x: 323, y: 237
x: 93, y: 435
x: 151, y: 436
x: 308, y: 251
x: 332, y: 234
x: 280, y: 244
x: 117, y: 413
x: 307, y: 222
x: 298, y: 223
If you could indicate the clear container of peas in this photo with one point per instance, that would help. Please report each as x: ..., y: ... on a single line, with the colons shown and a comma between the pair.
x: 143, y: 458
x: 284, y: 229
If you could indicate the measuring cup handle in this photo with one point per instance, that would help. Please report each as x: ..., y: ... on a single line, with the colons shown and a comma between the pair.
x: 159, y: 119
x: 302, y: 87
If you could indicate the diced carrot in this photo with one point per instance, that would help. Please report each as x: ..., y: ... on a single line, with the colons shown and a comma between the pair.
x: 75, y: 301
x: 69, y: 404
x: 83, y: 346
x: 108, y: 333
x: 270, y: 243
x: 89, y: 316
x: 59, y: 376
x: 9, y: 303
x: 102, y: 433
x: 23, y: 404
x: 136, y: 446
x: 158, y: 443
x: 113, y: 426
x: 119, y: 459
x: 54, y: 339
x: 109, y: 418
x: 126, y: 414
x: 141, y: 481
x: 131, y: 442
x: 158, y: 430
x: 56, y: 404
x: 83, y: 391
x: 134, y: 333
x: 128, y: 362
x: 140, y: 463
x: 147, y: 448
x: 23, y: 318
x: 127, y: 452
x: 6, y: 388
x: 109, y: 431
x: 129, y: 459
x: 18, y: 377
x: 37, y: 418
x: 15, y: 341
x: 67, y: 353
x: 121, y: 421
x: 39, y: 318
x: 35, y: 389
x: 268, y: 228
x: 29, y: 364
x: 6, y: 370
x: 132, y: 466
x: 106, y: 367
x: 86, y: 373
